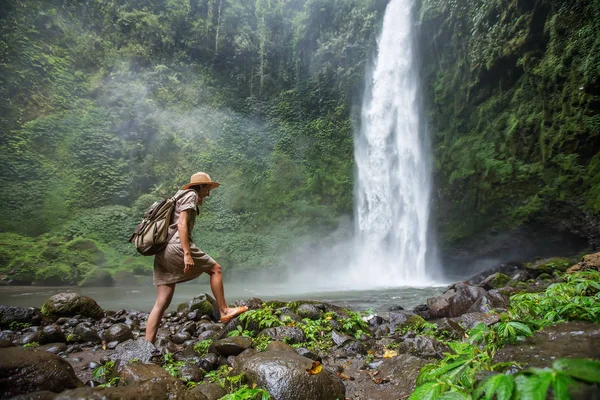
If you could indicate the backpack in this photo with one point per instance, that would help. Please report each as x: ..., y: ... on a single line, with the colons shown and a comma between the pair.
x: 152, y: 234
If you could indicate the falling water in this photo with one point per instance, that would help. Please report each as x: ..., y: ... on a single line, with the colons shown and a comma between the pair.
x: 393, y: 176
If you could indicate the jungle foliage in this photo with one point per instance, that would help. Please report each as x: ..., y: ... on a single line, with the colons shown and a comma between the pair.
x: 109, y: 105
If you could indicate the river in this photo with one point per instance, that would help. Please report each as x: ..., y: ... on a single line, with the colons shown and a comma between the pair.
x: 142, y: 297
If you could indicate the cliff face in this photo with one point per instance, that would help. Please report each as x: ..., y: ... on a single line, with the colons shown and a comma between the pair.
x: 512, y: 92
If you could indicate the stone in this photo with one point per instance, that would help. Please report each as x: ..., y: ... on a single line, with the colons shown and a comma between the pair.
x: 509, y: 269
x: 71, y: 304
x: 570, y: 339
x: 204, y: 303
x: 402, y: 371
x: 210, y: 391
x: 590, y: 261
x: 495, y: 281
x: 41, y: 395
x: 340, y: 338
x: 131, y: 372
x: 4, y: 343
x: 140, y: 349
x: 304, y: 352
x: 424, y: 347
x: 422, y: 310
x: 455, y: 301
x: 27, y: 370
x: 279, y: 346
x: 283, y: 374
x: 452, y: 328
x: 404, y: 319
x: 470, y: 320
x: 13, y: 317
x: 350, y: 349
x: 118, y: 332
x: 232, y: 346
x: 52, y: 334
x: 310, y: 311
x: 86, y: 333
x: 290, y: 315
x: 54, y: 348
x: 181, y: 337
x: 293, y: 334
x: 155, y: 389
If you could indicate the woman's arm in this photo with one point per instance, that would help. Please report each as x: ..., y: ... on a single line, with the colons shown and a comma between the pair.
x: 182, y: 228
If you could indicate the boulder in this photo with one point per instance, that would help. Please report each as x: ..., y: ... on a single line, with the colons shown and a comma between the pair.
x: 402, y: 371
x: 495, y: 281
x: 284, y: 375
x: 232, y: 346
x: 204, y: 303
x: 131, y: 372
x: 451, y: 328
x: 509, y: 269
x: 571, y: 339
x: 27, y: 370
x: 140, y: 349
x: 71, y: 304
x: 590, y: 261
x: 54, y: 348
x: 424, y: 347
x: 310, y: 311
x: 280, y: 333
x: 155, y: 389
x: 470, y: 320
x: 210, y: 391
x: 52, y: 334
x: 14, y: 318
x: 117, y: 332
x: 455, y: 301
x: 404, y: 319
x: 85, y: 332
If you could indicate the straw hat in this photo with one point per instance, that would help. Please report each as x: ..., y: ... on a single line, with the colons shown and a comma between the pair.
x: 200, y: 178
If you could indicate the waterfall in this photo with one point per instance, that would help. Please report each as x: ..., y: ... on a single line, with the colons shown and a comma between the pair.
x: 393, y: 182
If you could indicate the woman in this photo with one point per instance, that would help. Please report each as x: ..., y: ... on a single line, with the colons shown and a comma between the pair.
x: 182, y: 261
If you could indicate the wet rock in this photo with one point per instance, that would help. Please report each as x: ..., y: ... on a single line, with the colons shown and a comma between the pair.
x: 350, y: 349
x: 119, y: 332
x: 455, y: 301
x: 310, y: 311
x: 519, y: 276
x: 509, y: 269
x: 71, y: 304
x: 402, y: 371
x: 208, y: 335
x: 139, y: 349
x: 30, y: 337
x: 5, y: 343
x: 283, y: 374
x: 422, y: 310
x: 290, y: 315
x: 253, y: 303
x: 340, y: 338
x: 396, y: 308
x: 41, y: 395
x: 232, y: 346
x: 190, y: 372
x: 54, y: 348
x: 210, y: 391
x: 452, y: 328
x: 375, y: 321
x: 26, y: 370
x: 195, y: 315
x: 85, y: 332
x: 424, y: 347
x: 470, y: 320
x: 208, y: 362
x: 13, y: 317
x: 400, y: 320
x: 484, y: 304
x: 131, y: 372
x: 381, y: 331
x: 292, y: 333
x: 181, y: 337
x: 304, y: 352
x: 234, y: 361
x: 495, y: 281
x: 52, y: 334
x: 279, y: 346
x: 155, y: 389
x: 203, y: 303
x: 571, y: 339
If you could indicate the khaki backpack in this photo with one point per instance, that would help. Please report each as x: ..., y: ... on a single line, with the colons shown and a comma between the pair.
x: 152, y: 234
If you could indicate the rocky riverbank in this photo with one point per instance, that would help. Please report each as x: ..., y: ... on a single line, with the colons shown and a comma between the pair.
x: 72, y: 349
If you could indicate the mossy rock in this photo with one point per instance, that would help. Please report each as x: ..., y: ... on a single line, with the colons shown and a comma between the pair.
x: 495, y: 281
x: 97, y: 277
x: 549, y: 265
x: 71, y: 304
x: 544, y: 277
x: 204, y: 303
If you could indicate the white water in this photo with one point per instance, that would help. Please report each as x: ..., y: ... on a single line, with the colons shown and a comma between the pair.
x: 393, y: 174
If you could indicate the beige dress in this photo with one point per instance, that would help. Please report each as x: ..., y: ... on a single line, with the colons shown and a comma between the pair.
x: 168, y: 264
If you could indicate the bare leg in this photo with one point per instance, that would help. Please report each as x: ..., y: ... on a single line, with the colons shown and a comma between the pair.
x: 163, y: 300
x: 216, y: 285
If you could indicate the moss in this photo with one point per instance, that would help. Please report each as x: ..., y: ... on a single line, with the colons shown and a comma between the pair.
x: 55, y: 275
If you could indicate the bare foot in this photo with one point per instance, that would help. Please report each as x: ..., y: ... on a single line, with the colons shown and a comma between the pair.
x: 231, y: 313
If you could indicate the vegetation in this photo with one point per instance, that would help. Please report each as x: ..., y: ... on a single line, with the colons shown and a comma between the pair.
x: 458, y: 375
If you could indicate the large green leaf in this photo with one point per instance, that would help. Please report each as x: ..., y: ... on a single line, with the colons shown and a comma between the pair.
x: 580, y: 368
x: 500, y: 385
x: 428, y: 391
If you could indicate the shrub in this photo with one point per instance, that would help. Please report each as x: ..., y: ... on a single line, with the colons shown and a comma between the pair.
x: 97, y: 277
x: 57, y: 274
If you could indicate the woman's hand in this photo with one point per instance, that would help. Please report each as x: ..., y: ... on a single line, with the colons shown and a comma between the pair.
x: 188, y: 263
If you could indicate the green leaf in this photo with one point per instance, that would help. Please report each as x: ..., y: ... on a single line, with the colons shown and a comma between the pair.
x: 560, y: 386
x: 455, y: 396
x: 534, y: 386
x: 428, y: 391
x: 500, y: 385
x: 580, y: 368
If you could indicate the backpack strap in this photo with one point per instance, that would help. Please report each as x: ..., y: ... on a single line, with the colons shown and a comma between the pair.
x: 175, y: 198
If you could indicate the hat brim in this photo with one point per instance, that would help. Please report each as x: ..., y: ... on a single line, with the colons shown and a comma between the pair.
x: 212, y: 185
